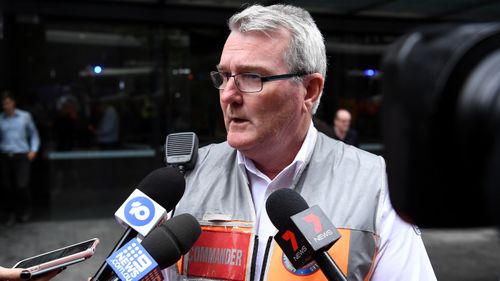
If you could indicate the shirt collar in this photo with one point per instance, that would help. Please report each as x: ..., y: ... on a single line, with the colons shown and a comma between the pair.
x: 4, y: 114
x: 298, y: 162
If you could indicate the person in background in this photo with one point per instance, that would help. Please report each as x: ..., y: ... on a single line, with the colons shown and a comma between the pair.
x: 342, y: 128
x: 323, y: 127
x: 65, y: 124
x: 108, y: 128
x: 19, y: 144
x: 270, y: 79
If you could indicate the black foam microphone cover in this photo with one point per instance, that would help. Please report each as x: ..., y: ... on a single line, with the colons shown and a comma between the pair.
x: 282, y: 204
x: 165, y: 186
x: 172, y: 239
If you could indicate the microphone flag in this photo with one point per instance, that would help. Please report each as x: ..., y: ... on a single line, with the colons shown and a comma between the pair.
x: 140, y: 212
x: 307, y: 232
x: 133, y: 263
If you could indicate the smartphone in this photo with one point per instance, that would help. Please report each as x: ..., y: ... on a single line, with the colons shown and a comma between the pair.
x: 59, y: 258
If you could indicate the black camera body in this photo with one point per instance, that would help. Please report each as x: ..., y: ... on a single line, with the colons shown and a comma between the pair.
x: 441, y: 120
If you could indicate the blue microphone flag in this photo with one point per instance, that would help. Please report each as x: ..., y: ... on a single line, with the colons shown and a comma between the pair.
x: 133, y: 263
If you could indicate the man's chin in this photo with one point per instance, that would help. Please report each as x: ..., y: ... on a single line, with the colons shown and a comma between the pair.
x: 239, y: 141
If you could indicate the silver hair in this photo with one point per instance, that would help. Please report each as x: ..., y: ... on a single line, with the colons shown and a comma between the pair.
x: 306, y: 51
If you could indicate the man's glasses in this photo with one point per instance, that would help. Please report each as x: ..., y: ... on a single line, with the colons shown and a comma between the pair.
x: 247, y: 82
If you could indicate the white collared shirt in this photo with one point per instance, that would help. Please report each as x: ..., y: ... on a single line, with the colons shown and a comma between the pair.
x: 262, y: 187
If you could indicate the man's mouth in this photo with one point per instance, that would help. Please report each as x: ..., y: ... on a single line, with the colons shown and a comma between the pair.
x: 238, y: 120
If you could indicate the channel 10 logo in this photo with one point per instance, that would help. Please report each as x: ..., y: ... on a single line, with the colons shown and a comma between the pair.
x: 139, y: 211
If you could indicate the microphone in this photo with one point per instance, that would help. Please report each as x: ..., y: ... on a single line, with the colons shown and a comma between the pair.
x: 146, y: 207
x: 161, y: 248
x: 181, y: 150
x: 304, y: 234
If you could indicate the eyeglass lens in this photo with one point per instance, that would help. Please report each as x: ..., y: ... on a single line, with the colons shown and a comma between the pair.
x: 246, y: 82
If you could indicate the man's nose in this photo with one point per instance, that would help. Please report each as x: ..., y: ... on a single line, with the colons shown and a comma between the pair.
x: 230, y: 93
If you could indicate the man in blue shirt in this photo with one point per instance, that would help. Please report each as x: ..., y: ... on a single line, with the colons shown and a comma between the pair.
x: 19, y: 143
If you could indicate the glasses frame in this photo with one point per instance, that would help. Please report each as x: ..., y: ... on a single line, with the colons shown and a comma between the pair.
x: 263, y: 79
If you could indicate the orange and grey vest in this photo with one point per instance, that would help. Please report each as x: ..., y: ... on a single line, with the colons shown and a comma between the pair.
x: 348, y: 184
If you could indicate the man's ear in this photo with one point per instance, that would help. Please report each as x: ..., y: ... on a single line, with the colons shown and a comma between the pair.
x: 314, y: 85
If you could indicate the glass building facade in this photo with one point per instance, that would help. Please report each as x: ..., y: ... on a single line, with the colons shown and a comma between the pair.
x: 141, y: 71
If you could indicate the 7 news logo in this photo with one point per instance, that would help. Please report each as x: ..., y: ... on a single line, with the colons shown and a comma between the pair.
x: 318, y: 227
x: 309, y: 231
x: 310, y: 218
x: 292, y: 238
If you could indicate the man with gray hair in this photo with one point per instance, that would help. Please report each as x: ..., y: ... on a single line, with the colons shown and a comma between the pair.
x: 270, y: 79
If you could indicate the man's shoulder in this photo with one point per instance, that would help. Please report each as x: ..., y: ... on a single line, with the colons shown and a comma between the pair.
x: 222, y: 146
x: 344, y: 152
x: 216, y: 150
x: 213, y: 159
x: 22, y: 113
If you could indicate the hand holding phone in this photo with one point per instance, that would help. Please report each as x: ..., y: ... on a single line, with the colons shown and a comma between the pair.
x: 19, y: 274
x: 59, y: 258
x: 10, y: 273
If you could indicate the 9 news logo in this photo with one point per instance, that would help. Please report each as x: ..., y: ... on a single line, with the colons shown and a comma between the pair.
x: 133, y: 263
x: 139, y: 211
